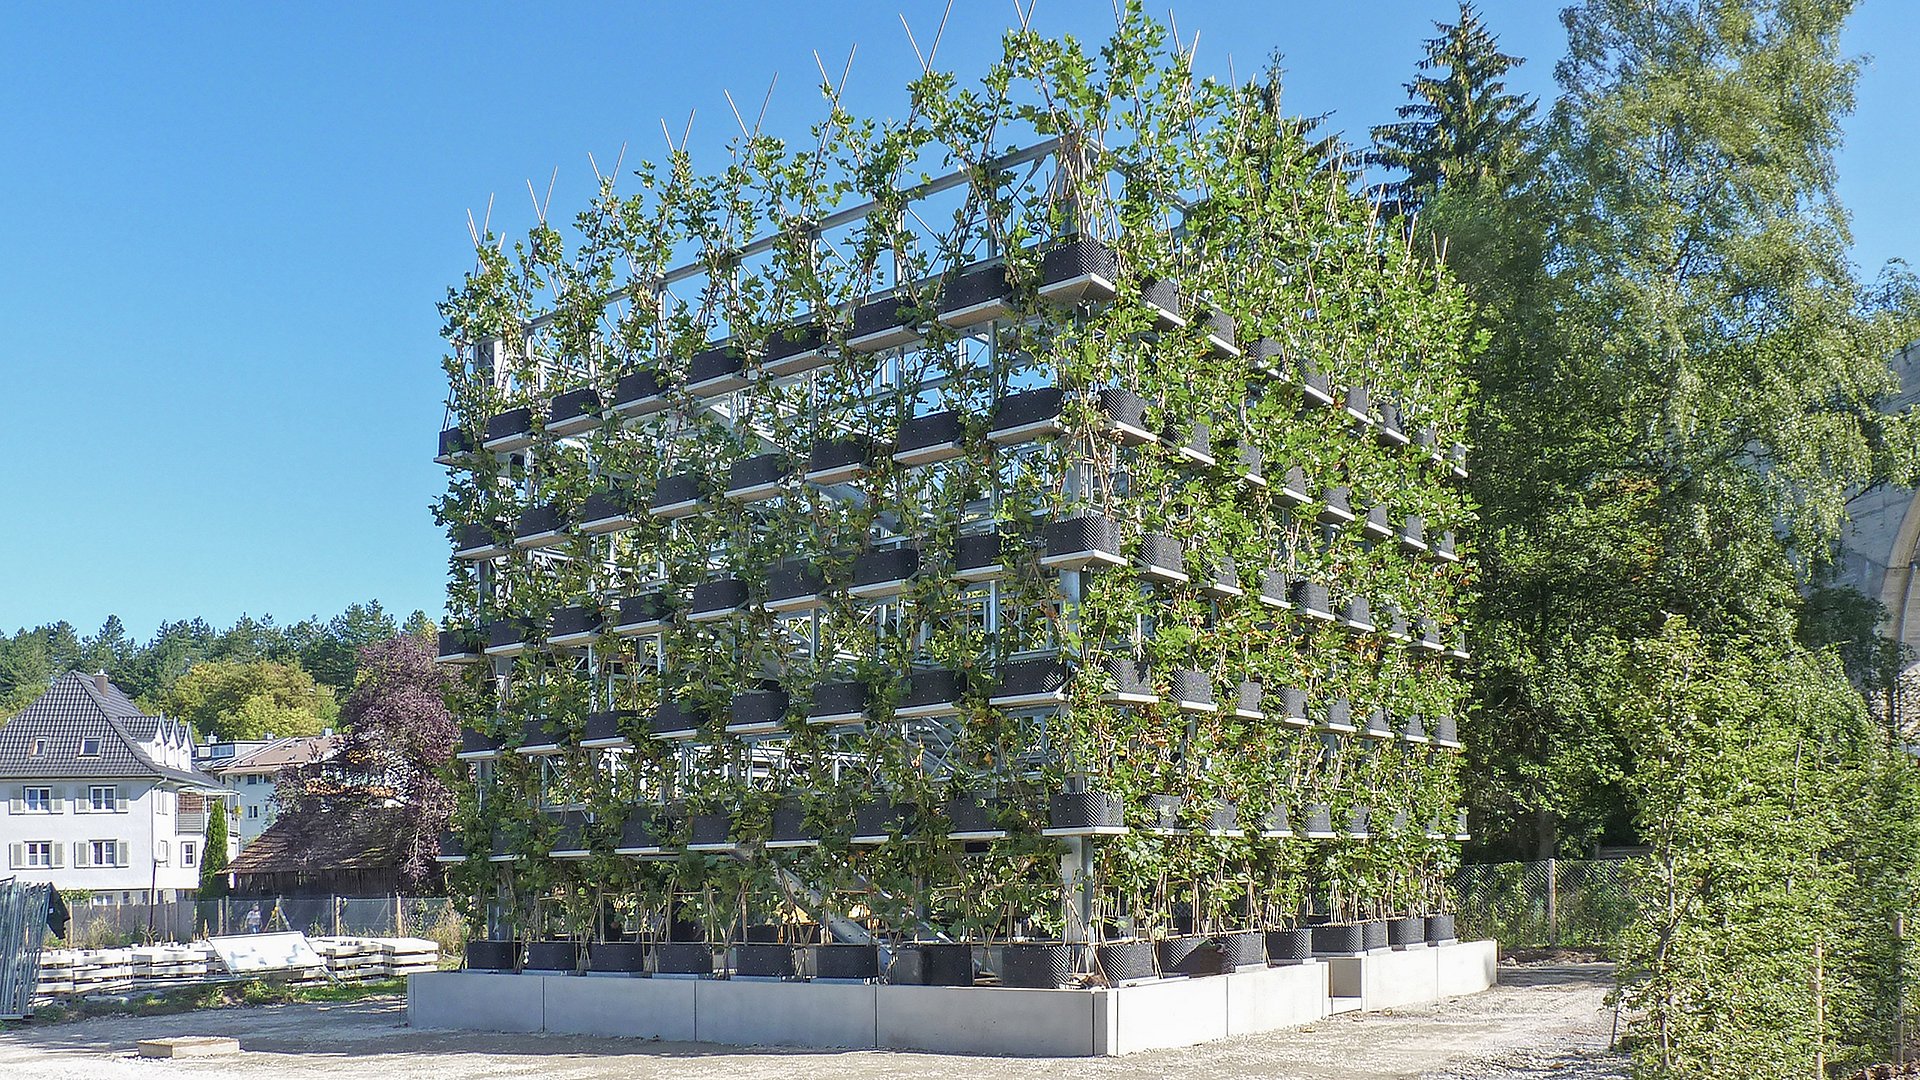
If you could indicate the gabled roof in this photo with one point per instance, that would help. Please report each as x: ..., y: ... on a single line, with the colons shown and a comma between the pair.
x: 279, y: 754
x: 78, y: 707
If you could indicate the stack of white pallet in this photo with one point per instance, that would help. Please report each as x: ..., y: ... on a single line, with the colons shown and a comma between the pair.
x: 75, y: 972
x: 56, y: 973
x: 94, y: 971
x: 355, y: 959
x: 163, y: 965
x: 409, y: 955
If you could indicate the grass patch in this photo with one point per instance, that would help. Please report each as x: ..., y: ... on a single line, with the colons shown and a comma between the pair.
x: 230, y: 995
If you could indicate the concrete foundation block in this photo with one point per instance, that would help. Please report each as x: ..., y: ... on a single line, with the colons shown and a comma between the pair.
x: 475, y: 1001
x: 987, y: 1020
x: 1276, y: 998
x: 1395, y: 980
x: 741, y: 1013
x: 1177, y: 1012
x: 1467, y: 967
x: 621, y: 1007
x: 186, y: 1046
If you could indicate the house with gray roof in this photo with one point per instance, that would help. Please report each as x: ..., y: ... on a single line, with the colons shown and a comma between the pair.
x: 97, y: 795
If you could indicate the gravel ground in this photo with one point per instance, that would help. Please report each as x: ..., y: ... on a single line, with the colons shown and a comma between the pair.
x: 1542, y: 1020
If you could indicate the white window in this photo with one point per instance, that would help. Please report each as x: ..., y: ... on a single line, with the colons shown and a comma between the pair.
x: 254, y: 811
x: 34, y: 855
x: 189, y: 853
x: 252, y: 779
x: 89, y: 747
x: 39, y: 748
x: 103, y: 799
x: 36, y: 800
x: 160, y: 852
x: 40, y: 853
x: 100, y: 853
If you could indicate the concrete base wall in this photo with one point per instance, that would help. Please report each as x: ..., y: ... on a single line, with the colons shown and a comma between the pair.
x: 947, y: 1019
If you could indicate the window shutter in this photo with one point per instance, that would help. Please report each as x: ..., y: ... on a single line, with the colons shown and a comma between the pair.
x: 54, y: 802
x: 53, y: 853
x: 82, y: 801
x: 120, y: 853
x: 80, y: 853
x: 17, y: 855
x: 18, y: 804
x: 119, y: 802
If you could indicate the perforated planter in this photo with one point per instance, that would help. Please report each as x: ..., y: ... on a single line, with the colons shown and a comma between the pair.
x: 644, y: 614
x: 1026, y: 684
x: 1457, y: 461
x: 757, y: 478
x: 1358, y: 405
x: 1360, y: 822
x: 1081, y: 541
x: 1163, y: 299
x: 617, y: 957
x: 973, y: 816
x: 1026, y: 416
x: 795, y: 350
x: 1310, y: 599
x: 1161, y: 814
x: 763, y: 960
x: 844, y: 962
x: 1223, y: 820
x: 886, y: 323
x: 608, y: 512
x: 575, y: 626
x: 1085, y: 813
x: 932, y: 963
x: 1446, y: 733
x: 676, y: 719
x: 1276, y: 589
x: 1319, y: 822
x: 1339, y: 939
x: 1375, y: 525
x: 1378, y: 726
x: 552, y: 956
x: 477, y: 746
x: 1223, y: 580
x: 1078, y: 270
x: 1131, y: 682
x: 685, y: 958
x: 1249, y: 701
x: 539, y: 735
x: 540, y: 527
x: 924, y: 440
x: 1414, y: 731
x: 1290, y: 945
x: 1413, y: 534
x: 607, y: 729
x: 790, y: 828
x: 795, y: 585
x: 836, y: 461
x: 1037, y: 965
x: 883, y: 573
x: 981, y: 556
x: 878, y: 820
x: 510, y: 637
x: 1315, y: 390
x: 1162, y: 558
x: 1268, y: 358
x: 929, y: 693
x: 509, y: 431
x: 1373, y: 934
x: 455, y: 447
x: 1334, y: 510
x: 1390, y: 433
x: 1124, y: 416
x: 1222, y: 335
x: 1192, y: 955
x: 718, y: 370
x: 1196, y: 446
x: 1249, y: 464
x: 1293, y: 489
x: 1118, y: 963
x: 1241, y: 950
x: 710, y: 832
x: 978, y: 296
x: 758, y: 712
x: 1398, y: 628
x: 639, y: 393
x: 1427, y: 635
x: 639, y: 833
x: 452, y: 849
x: 721, y: 598
x: 676, y: 496
x: 1356, y: 616
x: 1192, y: 691
x: 1440, y: 929
x: 479, y: 542
x: 1293, y: 707
x: 1443, y: 548
x: 570, y: 836
x: 575, y: 412
x: 1276, y: 824
x: 839, y: 702
x: 1339, y: 716
x: 493, y: 955
x: 1407, y: 931
x: 459, y: 646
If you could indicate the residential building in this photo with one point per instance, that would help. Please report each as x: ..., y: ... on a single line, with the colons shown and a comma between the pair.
x: 249, y: 776
x: 100, y: 796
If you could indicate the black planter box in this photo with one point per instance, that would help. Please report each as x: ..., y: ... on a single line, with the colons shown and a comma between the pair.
x: 1224, y: 820
x: 552, y: 955
x: 1443, y: 548
x: 1250, y: 463
x: 676, y: 719
x: 1132, y: 682
x: 1192, y: 691
x: 1290, y: 944
x: 1249, y: 700
x: 608, y: 511
x: 1293, y: 706
x: 493, y: 955
x: 639, y: 832
x: 1196, y: 447
x: 639, y: 393
x: 1029, y: 683
x: 1241, y: 949
x: 1359, y: 405
x: 1413, y: 533
x: 1276, y: 823
x: 455, y: 445
x: 924, y: 440
x: 1407, y: 931
x: 539, y: 735
x: 458, y: 646
x: 1334, y: 509
x: 682, y: 958
x: 1460, y: 832
x: 1378, y: 726
x: 1081, y: 541
x: 1339, y: 939
x: 1026, y: 416
x: 881, y: 573
x: 645, y: 613
x: 710, y: 832
x: 509, y: 431
x: 716, y: 371
x: 676, y: 496
x: 1414, y: 730
x: 977, y: 296
x: 848, y: 963
x: 1340, y: 716
x: 452, y: 849
x: 884, y: 323
x: 1162, y: 558
x: 1268, y: 357
x: 1293, y: 488
x: 1126, y: 415
x: 477, y: 744
x: 1038, y: 965
x: 1310, y: 598
x: 1457, y: 461
x: 1356, y: 615
x: 1375, y: 526
x: 933, y: 963
x: 971, y: 816
x: 794, y: 585
x: 1084, y: 813
x: 509, y: 637
x: 1359, y: 822
x: 1121, y: 962
x: 794, y: 350
x: 575, y: 625
x: 1427, y: 635
x: 574, y: 412
x: 1163, y: 813
x: 756, y: 478
x: 790, y: 829
x: 758, y: 712
x: 1390, y: 433
x: 540, y: 527
x: 622, y: 957
x: 1079, y: 269
x: 934, y: 692
x: 607, y: 728
x: 1314, y: 388
x: 717, y: 599
x: 876, y: 821
x: 1319, y: 822
x: 842, y: 702
x: 1192, y: 955
x: 836, y: 461
x: 1222, y: 333
x: 1162, y: 297
x: 763, y: 960
x: 1446, y: 732
x: 1276, y: 588
x: 1223, y: 580
x: 1374, y: 933
x: 569, y: 835
x: 1440, y: 929
x: 980, y: 556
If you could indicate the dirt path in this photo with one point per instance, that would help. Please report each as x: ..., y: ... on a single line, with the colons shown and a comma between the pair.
x: 1541, y: 1021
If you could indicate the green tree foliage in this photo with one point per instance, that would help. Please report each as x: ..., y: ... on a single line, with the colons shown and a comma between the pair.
x: 213, y: 861
x: 235, y: 699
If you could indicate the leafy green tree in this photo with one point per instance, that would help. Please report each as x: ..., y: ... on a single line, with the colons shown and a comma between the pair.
x: 213, y: 861
x: 246, y: 700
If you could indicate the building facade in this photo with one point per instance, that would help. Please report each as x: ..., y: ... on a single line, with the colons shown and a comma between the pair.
x: 100, y: 796
x: 250, y: 773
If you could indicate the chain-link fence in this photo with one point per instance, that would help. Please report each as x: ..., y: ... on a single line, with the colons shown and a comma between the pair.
x: 1555, y: 902
x: 106, y: 925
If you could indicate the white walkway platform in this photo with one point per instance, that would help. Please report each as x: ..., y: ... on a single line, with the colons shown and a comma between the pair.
x: 949, y: 1019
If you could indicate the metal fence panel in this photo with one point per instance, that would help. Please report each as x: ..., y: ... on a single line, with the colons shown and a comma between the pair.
x: 1554, y: 902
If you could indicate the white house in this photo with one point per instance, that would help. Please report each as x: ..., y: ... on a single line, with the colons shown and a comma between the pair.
x: 92, y: 794
x: 250, y: 771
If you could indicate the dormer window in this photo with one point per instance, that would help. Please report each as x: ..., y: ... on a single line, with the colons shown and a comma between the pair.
x: 39, y: 748
x: 89, y: 747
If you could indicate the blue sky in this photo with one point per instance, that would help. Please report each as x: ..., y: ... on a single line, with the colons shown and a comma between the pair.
x: 225, y: 229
